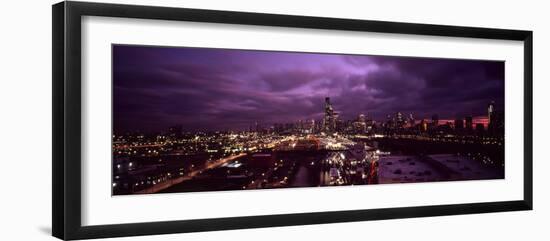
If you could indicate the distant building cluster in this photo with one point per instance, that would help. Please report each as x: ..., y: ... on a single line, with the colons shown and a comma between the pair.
x: 491, y: 125
x: 399, y: 123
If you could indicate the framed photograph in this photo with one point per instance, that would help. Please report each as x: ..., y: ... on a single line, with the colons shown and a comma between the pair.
x: 169, y: 120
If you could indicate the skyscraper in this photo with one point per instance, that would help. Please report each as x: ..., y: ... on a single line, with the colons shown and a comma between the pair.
x: 459, y: 125
x: 411, y: 120
x: 423, y: 125
x: 496, y: 120
x: 329, y: 120
x: 362, y: 118
x: 435, y: 120
x: 469, y: 123
x: 490, y: 112
x: 360, y: 125
x: 399, y: 119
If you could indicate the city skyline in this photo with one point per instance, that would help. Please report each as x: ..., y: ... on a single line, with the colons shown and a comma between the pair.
x: 222, y: 89
x: 202, y: 119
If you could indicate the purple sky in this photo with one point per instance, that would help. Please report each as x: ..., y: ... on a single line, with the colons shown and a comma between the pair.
x: 220, y: 89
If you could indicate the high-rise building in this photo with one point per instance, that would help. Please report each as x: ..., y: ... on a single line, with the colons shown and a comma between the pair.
x: 329, y: 120
x: 469, y: 123
x: 311, y: 126
x: 423, y: 125
x: 459, y: 124
x: 411, y: 120
x: 399, y: 120
x: 435, y: 120
x: 495, y: 120
x: 491, y: 112
x: 360, y: 125
x: 362, y: 118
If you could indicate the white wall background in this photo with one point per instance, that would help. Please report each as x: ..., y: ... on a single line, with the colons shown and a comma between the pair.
x: 25, y: 119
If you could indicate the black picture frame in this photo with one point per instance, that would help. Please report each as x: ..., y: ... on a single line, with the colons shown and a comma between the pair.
x: 66, y: 159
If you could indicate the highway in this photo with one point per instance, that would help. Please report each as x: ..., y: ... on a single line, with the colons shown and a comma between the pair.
x: 163, y: 185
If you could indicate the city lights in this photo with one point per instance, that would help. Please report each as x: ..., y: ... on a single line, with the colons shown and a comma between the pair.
x: 212, y: 120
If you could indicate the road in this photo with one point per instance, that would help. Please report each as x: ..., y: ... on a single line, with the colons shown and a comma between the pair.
x: 163, y: 185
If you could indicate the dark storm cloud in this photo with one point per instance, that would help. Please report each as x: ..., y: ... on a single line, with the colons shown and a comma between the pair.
x: 288, y: 79
x: 449, y: 87
x: 218, y: 89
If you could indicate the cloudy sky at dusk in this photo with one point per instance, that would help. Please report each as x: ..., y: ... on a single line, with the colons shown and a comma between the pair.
x: 218, y: 89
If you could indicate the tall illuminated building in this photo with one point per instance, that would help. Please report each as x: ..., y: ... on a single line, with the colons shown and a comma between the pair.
x: 362, y: 118
x: 491, y: 113
x: 360, y: 125
x: 423, y: 125
x: 329, y: 120
x: 399, y: 118
x: 411, y: 120
x: 496, y: 120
